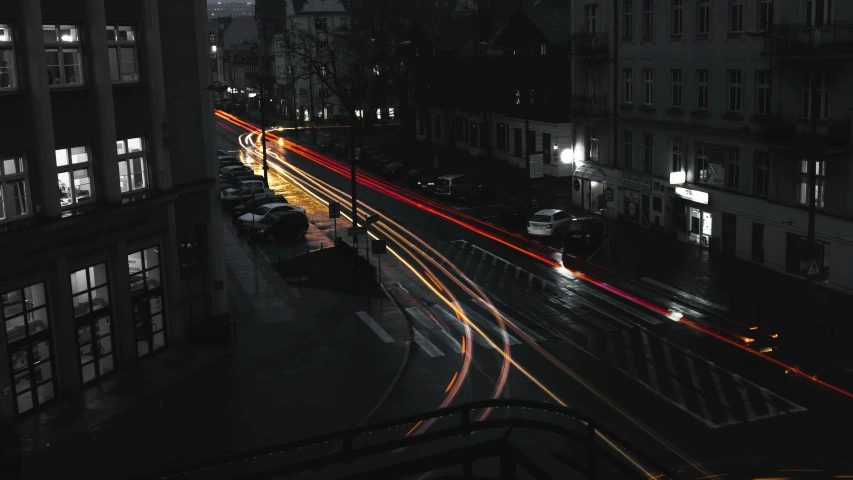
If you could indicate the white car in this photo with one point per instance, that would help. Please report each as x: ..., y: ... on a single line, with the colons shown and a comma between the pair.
x: 545, y: 223
x: 247, y: 192
x: 263, y: 211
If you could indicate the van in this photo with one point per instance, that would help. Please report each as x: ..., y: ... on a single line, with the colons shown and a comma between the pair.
x: 444, y: 184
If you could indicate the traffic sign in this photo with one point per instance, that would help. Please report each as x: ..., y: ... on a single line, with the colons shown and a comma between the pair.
x: 813, y: 269
x: 608, y: 194
x: 334, y: 210
x: 356, y: 231
x: 379, y: 247
x: 371, y: 219
x: 610, y: 204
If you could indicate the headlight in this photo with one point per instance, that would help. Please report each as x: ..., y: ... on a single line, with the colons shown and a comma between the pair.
x: 261, y: 231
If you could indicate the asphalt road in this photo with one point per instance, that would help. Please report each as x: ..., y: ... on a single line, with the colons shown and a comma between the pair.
x: 673, y: 392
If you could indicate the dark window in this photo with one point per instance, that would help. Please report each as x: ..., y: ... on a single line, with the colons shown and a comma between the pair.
x: 473, y: 137
x: 628, y: 141
x: 628, y: 19
x: 547, y: 148
x: 531, y: 142
x: 657, y: 204
x: 765, y: 15
x: 516, y: 132
x: 648, y: 18
x: 762, y: 173
x: 501, y: 136
x: 648, y: 145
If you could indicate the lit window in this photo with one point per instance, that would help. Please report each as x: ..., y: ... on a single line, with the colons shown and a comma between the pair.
x: 8, y: 75
x: 91, y: 301
x: 26, y: 319
x: 147, y: 300
x: 64, y: 56
x: 390, y: 112
x: 819, y: 185
x: 74, y: 177
x: 132, y: 168
x: 121, y: 41
x: 703, y: 169
x: 14, y: 185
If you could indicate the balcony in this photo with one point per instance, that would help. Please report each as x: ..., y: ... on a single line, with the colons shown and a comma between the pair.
x: 795, y: 131
x: 589, y: 44
x: 589, y: 106
x: 808, y: 41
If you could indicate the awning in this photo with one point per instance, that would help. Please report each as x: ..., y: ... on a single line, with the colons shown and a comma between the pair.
x: 588, y: 172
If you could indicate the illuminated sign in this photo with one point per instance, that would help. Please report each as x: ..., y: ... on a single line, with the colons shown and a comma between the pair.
x: 692, y: 195
x: 677, y: 178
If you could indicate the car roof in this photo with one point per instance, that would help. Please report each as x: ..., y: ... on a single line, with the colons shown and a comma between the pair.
x: 548, y: 211
x: 451, y: 176
x: 278, y: 204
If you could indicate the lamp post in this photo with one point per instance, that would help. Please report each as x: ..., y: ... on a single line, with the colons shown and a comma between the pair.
x: 353, y: 117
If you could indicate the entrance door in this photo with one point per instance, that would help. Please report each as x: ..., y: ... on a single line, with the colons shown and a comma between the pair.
x: 586, y: 195
x: 758, y: 242
x: 729, y: 233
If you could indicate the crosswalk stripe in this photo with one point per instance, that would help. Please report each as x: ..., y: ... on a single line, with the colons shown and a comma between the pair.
x: 744, y: 398
x: 378, y: 330
x: 676, y: 385
x: 451, y: 317
x: 528, y: 332
x: 621, y: 306
x: 653, y: 376
x: 546, y: 326
x: 431, y: 326
x: 565, y: 318
x: 484, y: 322
x: 697, y: 385
x: 574, y: 296
x: 718, y: 385
x: 425, y: 344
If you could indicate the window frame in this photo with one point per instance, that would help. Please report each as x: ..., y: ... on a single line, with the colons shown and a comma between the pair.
x: 6, y: 194
x: 70, y: 168
x: 732, y: 172
x: 60, y: 47
x: 677, y: 155
x: 593, y: 140
x: 703, y: 18
x: 648, y: 86
x: 763, y: 92
x: 91, y: 319
x: 703, y: 167
x: 590, y: 14
x: 764, y: 15
x: 118, y: 45
x: 734, y: 95
x: 648, y: 19
x: 628, y: 148
x: 736, y: 12
x: 676, y: 82
x: 628, y: 90
x: 703, y: 89
x: 627, y: 19
x: 145, y: 295
x: 819, y: 184
x: 676, y: 27
x: 648, y: 151
x: 12, y: 68
x: 762, y: 173
x: 127, y: 157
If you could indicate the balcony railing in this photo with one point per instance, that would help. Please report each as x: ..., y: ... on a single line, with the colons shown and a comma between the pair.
x: 809, y: 40
x: 585, y: 43
x: 796, y: 130
x: 546, y: 441
x: 589, y: 106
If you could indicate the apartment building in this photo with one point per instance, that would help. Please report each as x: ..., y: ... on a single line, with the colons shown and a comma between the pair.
x: 726, y: 121
x: 110, y: 240
x: 230, y: 9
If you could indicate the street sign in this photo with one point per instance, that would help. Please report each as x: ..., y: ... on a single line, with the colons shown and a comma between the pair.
x: 356, y: 231
x: 371, y: 219
x: 537, y: 169
x: 813, y: 269
x: 334, y: 210
x: 608, y: 195
x: 379, y: 247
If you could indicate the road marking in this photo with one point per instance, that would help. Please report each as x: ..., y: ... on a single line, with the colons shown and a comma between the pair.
x: 685, y: 295
x: 577, y: 298
x: 467, y: 262
x: 591, y: 346
x: 653, y: 376
x: 431, y: 326
x: 370, y: 322
x: 621, y: 306
x: 697, y: 385
x: 425, y: 344
x: 491, y: 275
x: 484, y: 322
x: 544, y: 325
x: 744, y: 398
x: 676, y: 385
x: 526, y: 331
x: 459, y: 325
x: 771, y: 408
x: 629, y: 355
x: 480, y: 265
x: 720, y: 393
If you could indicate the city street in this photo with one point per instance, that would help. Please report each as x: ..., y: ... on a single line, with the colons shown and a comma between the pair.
x: 681, y: 391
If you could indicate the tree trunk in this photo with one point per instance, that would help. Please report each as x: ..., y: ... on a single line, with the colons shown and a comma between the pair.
x: 311, y: 115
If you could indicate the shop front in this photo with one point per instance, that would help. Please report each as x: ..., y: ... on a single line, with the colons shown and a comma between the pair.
x: 694, y: 217
x: 588, y: 187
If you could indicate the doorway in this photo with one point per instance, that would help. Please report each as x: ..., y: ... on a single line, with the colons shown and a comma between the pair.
x: 700, y: 227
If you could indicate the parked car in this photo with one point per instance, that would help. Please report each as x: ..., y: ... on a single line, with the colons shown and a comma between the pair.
x: 366, y: 153
x: 242, y: 184
x: 252, y: 204
x: 247, y: 192
x: 473, y: 190
x: 280, y: 226
x: 325, y: 140
x: 340, y: 148
x: 221, y: 153
x: 392, y: 170
x: 421, y: 178
x: 231, y: 168
x: 260, y: 213
x: 585, y: 232
x: 444, y: 184
x: 236, y: 174
x: 546, y: 223
x: 516, y: 212
x: 237, y: 183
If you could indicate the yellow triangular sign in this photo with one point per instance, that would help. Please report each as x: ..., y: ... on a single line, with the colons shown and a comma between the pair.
x: 813, y: 269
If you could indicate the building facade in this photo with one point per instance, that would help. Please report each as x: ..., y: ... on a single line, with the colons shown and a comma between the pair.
x: 109, y: 230
x: 725, y: 121
x: 230, y: 9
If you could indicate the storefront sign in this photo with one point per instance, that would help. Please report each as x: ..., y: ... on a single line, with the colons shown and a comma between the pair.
x: 692, y: 195
x: 636, y: 181
x: 537, y: 169
x: 677, y: 178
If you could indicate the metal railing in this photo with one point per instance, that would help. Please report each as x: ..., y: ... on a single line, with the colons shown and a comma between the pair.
x: 831, y: 38
x: 796, y: 130
x: 589, y: 106
x: 605, y: 456
x: 585, y: 43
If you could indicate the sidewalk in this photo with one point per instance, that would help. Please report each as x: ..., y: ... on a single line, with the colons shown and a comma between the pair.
x: 297, y: 352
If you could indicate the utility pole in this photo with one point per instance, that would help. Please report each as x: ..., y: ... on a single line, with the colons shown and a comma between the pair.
x: 263, y: 49
x: 353, y: 116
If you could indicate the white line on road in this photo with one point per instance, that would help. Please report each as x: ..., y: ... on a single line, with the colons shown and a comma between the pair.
x: 459, y: 325
x: 653, y: 375
x: 750, y: 412
x: 431, y: 326
x: 462, y: 209
x: 697, y: 385
x: 688, y: 296
x: 486, y: 323
x: 720, y: 393
x: 425, y: 344
x: 676, y: 385
x: 370, y: 322
x: 530, y: 333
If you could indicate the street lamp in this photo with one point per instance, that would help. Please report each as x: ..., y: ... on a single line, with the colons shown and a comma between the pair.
x: 353, y: 182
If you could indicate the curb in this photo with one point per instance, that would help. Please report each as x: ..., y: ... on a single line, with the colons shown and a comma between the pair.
x: 407, y: 350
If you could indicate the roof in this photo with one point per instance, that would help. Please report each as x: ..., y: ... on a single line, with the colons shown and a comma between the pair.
x: 548, y: 211
x: 451, y: 176
x: 552, y: 22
